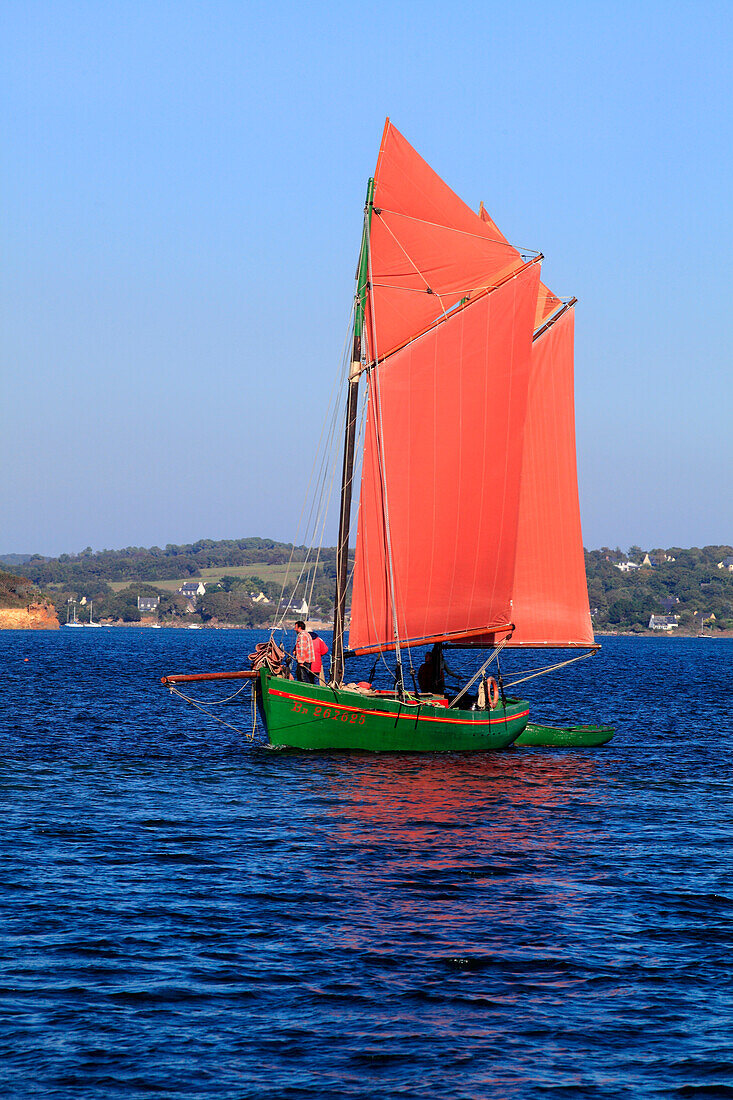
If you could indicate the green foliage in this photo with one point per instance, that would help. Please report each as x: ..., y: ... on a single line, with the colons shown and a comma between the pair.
x: 135, y: 563
x: 118, y: 606
x: 691, y: 586
x: 233, y: 606
x: 12, y: 561
x: 16, y: 591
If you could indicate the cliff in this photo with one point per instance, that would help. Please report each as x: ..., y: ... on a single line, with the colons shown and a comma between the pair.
x: 35, y: 616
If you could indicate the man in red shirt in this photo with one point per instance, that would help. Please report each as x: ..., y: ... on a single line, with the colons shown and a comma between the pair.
x: 320, y: 649
x: 304, y: 654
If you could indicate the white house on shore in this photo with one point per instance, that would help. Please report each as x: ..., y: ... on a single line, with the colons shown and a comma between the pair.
x: 192, y: 589
x: 664, y: 622
x: 295, y: 608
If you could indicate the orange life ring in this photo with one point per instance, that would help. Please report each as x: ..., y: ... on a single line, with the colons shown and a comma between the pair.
x: 493, y: 689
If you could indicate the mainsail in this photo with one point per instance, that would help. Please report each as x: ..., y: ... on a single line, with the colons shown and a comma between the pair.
x: 468, y: 517
x: 441, y: 475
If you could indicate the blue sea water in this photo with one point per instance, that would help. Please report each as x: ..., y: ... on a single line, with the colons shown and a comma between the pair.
x: 186, y: 914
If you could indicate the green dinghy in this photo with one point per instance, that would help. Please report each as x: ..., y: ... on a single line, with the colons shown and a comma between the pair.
x: 564, y: 737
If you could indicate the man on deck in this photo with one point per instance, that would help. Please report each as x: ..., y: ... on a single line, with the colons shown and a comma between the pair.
x: 430, y: 675
x: 304, y: 654
x: 320, y: 649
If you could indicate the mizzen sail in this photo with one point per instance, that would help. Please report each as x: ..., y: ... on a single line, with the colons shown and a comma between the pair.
x: 550, y: 593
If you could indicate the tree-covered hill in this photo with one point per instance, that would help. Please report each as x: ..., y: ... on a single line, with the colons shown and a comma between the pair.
x: 624, y: 588
x: 136, y: 563
x: 687, y: 583
x: 16, y: 591
x: 115, y: 580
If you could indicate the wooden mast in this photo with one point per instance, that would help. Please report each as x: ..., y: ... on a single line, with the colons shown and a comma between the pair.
x: 347, y: 473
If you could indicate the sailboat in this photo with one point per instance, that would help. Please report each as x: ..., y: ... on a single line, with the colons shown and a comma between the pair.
x: 468, y: 531
x: 91, y: 616
x: 69, y: 620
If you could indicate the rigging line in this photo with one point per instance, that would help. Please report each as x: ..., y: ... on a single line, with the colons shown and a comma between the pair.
x: 408, y: 289
x: 365, y: 566
x: 552, y: 668
x: 359, y: 339
x: 325, y: 483
x: 325, y: 453
x: 326, y: 497
x: 370, y: 386
x: 217, y: 702
x: 357, y: 445
x: 417, y: 290
x: 493, y: 656
x: 410, y: 259
x: 333, y: 402
x: 332, y: 408
x: 463, y: 232
x: 463, y: 304
x: 306, y: 561
x: 541, y: 668
x: 321, y: 511
x: 249, y: 736
x: 379, y: 431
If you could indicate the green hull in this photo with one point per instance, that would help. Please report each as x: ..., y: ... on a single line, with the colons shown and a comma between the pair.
x: 567, y: 737
x: 307, y: 716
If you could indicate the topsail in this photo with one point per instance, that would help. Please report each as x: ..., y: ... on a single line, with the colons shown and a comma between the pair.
x: 427, y: 248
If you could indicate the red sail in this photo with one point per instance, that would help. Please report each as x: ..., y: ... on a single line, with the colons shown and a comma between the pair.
x: 427, y: 248
x: 451, y: 407
x: 547, y: 302
x: 550, y: 593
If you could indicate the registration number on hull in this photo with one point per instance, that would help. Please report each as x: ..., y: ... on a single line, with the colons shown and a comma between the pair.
x: 329, y: 712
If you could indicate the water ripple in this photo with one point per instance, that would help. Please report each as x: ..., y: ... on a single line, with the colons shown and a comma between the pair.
x: 185, y: 915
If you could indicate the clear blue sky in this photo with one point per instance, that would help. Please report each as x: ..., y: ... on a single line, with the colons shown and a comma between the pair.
x: 182, y: 195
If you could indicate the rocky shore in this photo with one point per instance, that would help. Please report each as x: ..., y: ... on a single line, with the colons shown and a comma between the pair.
x: 36, y: 616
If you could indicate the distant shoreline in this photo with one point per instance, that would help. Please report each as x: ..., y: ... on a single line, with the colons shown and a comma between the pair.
x: 661, y: 634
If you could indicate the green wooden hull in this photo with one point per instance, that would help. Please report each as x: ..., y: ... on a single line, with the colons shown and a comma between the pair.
x: 307, y: 716
x: 566, y: 737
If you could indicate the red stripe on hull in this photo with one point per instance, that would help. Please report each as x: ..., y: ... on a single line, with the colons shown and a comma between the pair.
x: 411, y: 716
